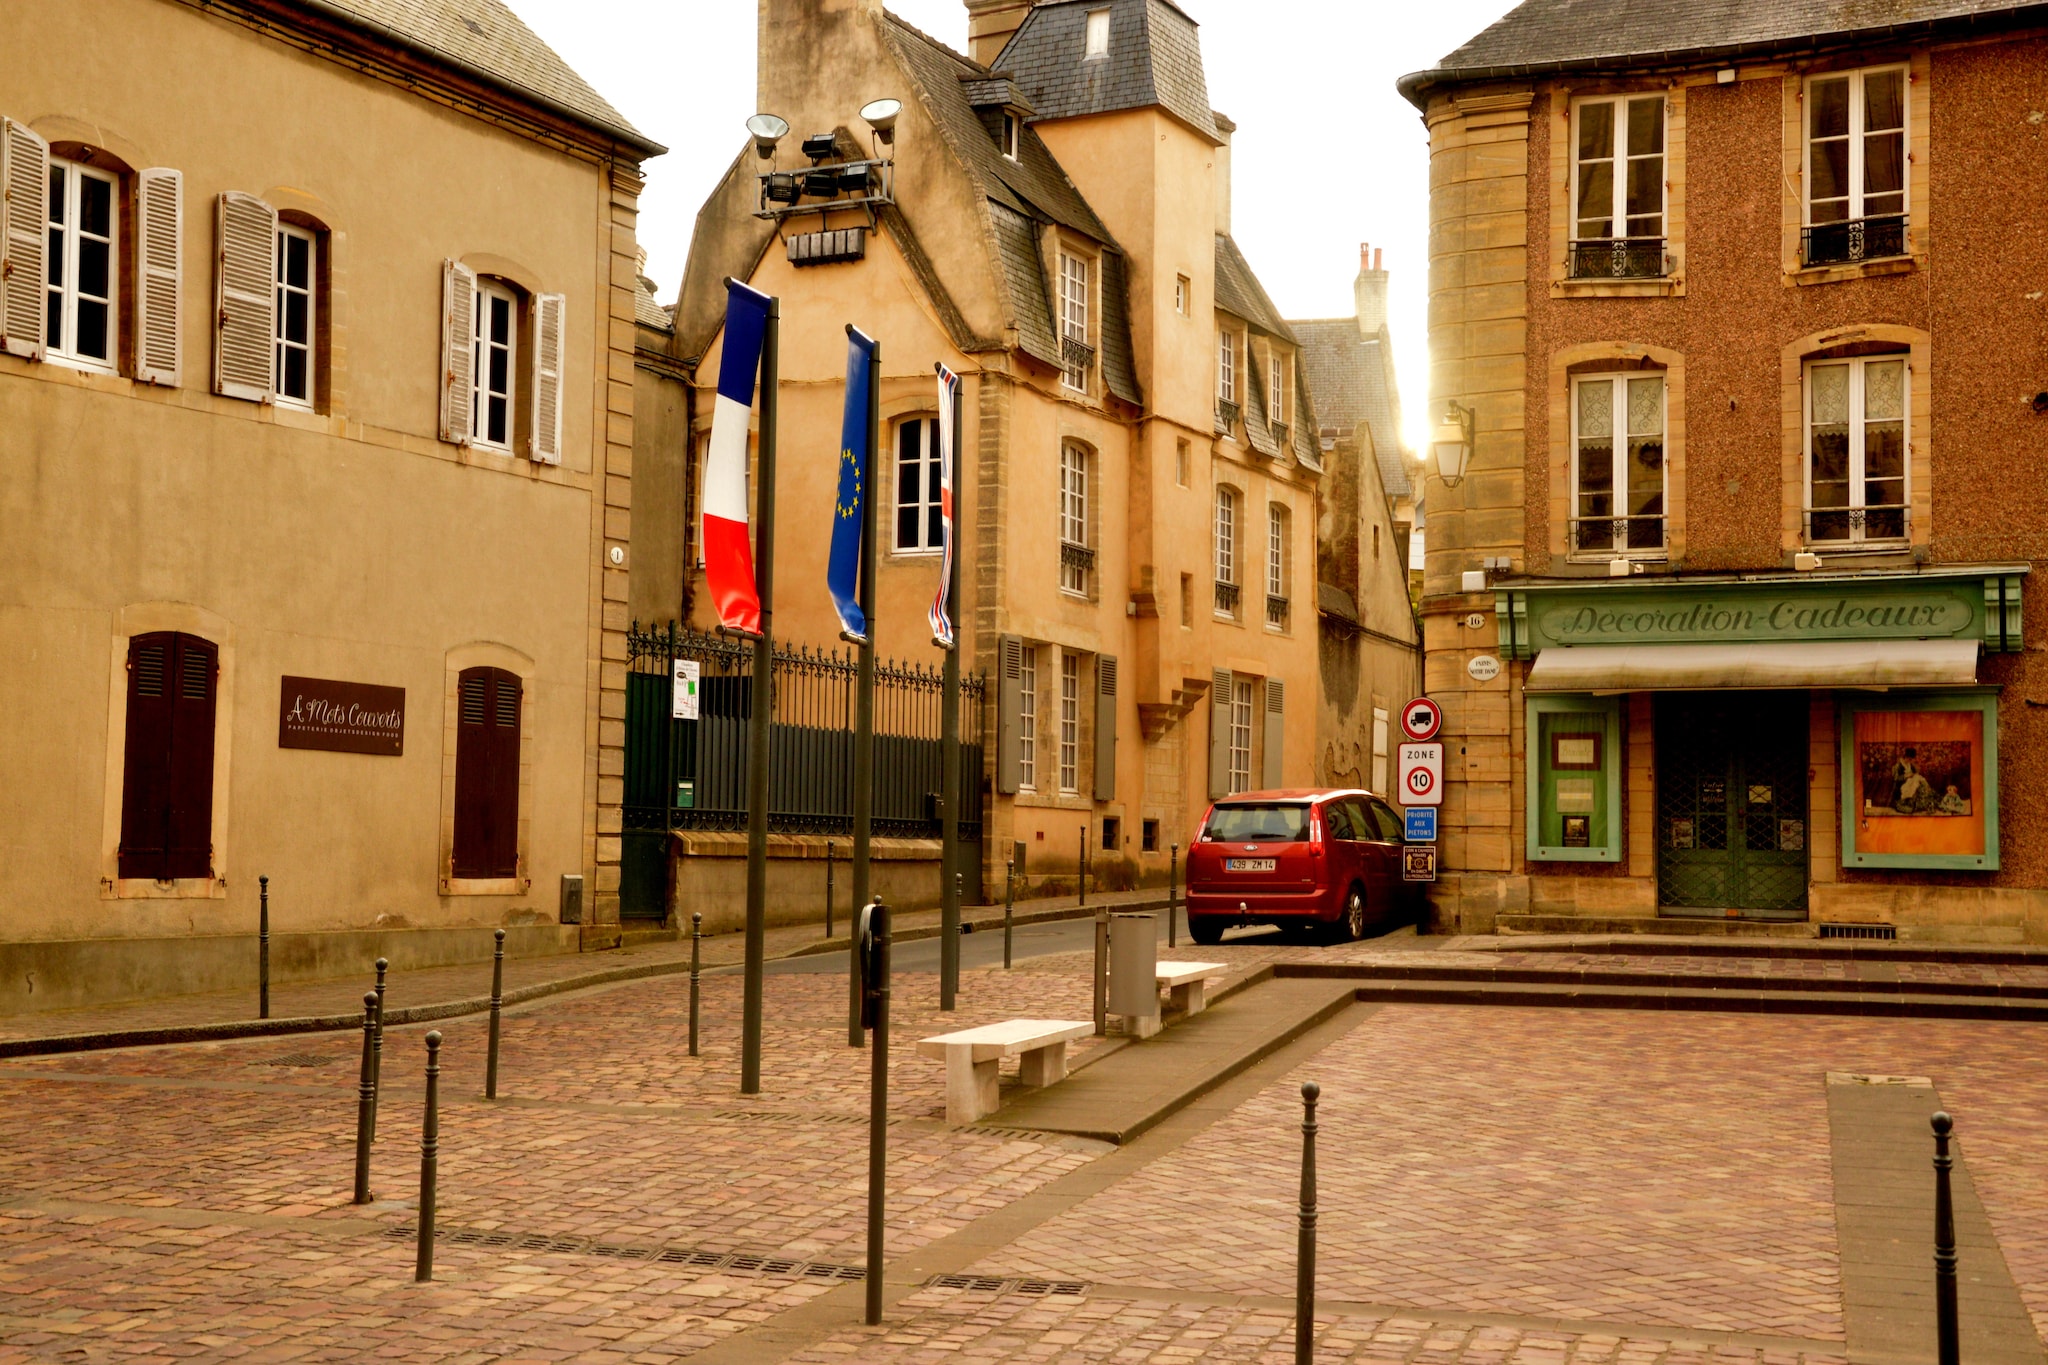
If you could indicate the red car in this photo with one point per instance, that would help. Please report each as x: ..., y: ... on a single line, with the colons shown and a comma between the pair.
x: 1320, y: 863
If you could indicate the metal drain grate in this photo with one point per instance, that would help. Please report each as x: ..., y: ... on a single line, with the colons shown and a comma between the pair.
x: 297, y: 1059
x: 785, y: 1116
x: 629, y: 1251
x: 1886, y: 932
x: 989, y: 1284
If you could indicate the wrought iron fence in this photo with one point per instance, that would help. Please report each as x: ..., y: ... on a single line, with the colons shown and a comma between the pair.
x: 1644, y: 531
x: 1277, y: 608
x: 1877, y: 522
x: 1860, y: 239
x: 1227, y: 595
x: 692, y: 774
x: 1619, y: 258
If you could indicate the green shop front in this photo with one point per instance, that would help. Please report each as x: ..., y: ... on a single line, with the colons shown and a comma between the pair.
x: 1741, y: 741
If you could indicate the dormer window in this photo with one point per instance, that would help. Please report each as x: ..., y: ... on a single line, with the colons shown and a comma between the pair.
x: 1098, y: 33
x: 1013, y: 133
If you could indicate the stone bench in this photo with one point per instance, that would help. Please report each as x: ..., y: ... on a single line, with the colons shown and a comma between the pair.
x: 973, y: 1055
x: 1187, y: 983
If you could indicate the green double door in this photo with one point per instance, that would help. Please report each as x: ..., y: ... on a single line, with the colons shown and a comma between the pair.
x: 1732, y: 829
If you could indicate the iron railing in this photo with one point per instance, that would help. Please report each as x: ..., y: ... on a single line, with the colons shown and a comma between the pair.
x: 1227, y: 415
x: 1077, y: 562
x: 1618, y: 258
x: 1641, y: 532
x: 1276, y: 611
x: 1884, y: 523
x: 1859, y: 239
x: 1283, y: 436
x: 1226, y: 597
x: 692, y: 774
x: 1078, y: 358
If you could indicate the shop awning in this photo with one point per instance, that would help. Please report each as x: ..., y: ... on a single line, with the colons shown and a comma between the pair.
x: 1818, y: 663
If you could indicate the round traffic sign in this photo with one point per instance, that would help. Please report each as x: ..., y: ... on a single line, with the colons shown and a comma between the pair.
x: 1421, y: 782
x: 1421, y: 719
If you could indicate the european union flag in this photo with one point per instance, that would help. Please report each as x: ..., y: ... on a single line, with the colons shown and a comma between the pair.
x: 842, y: 573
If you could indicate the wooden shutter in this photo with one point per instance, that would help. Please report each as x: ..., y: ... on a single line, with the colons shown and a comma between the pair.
x: 1105, y: 727
x: 245, y: 299
x: 458, y: 349
x: 549, y: 315
x: 159, y: 275
x: 1276, y: 706
x: 1009, y: 698
x: 1219, y: 733
x: 24, y: 223
x: 486, y: 774
x: 167, y: 764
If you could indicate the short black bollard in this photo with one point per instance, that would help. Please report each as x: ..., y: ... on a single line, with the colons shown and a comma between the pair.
x: 366, y: 1099
x: 875, y: 1014
x: 696, y: 961
x: 1102, y: 972
x: 497, y: 1001
x: 1947, y: 1347
x: 430, y: 1160
x: 377, y: 1050
x: 1305, y: 1248
x: 1081, y: 865
x: 1009, y: 907
x: 263, y: 948
x: 1172, y: 895
x: 828, y: 893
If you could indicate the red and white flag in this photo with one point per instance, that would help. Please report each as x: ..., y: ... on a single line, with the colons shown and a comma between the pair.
x: 942, y: 610
x: 728, y: 554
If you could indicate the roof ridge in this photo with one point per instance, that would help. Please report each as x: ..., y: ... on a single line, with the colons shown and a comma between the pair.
x: 893, y: 17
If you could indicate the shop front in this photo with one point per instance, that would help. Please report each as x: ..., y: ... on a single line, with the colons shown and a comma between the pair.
x: 1770, y: 747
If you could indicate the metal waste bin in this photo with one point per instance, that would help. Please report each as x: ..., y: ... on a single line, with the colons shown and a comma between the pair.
x: 1133, y: 966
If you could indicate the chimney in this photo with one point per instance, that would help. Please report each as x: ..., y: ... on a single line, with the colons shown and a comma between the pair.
x: 990, y: 24
x: 1224, y: 128
x: 1369, y: 291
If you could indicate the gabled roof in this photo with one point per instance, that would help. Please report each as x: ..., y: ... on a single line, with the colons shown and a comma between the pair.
x: 487, y: 41
x: 1154, y: 58
x: 648, y: 310
x: 1550, y: 34
x: 1238, y: 290
x: 1350, y: 376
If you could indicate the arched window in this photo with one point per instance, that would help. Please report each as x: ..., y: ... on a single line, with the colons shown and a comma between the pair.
x: 486, y: 774
x: 167, y: 766
x: 1856, y: 482
x: 1618, y: 469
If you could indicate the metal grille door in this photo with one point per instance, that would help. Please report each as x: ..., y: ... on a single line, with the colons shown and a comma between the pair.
x: 1731, y: 803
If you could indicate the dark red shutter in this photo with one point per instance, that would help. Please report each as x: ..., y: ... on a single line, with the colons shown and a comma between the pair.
x: 487, y: 774
x: 167, y: 768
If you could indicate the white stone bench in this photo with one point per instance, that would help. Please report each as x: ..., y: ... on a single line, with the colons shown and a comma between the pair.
x: 973, y: 1055
x: 1187, y: 983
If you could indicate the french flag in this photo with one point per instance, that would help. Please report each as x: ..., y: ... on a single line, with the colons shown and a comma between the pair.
x: 728, y: 555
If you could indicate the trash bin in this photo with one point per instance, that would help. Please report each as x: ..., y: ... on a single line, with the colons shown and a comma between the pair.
x: 1133, y: 967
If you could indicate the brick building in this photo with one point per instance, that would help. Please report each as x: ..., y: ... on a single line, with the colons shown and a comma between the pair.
x: 1747, y: 331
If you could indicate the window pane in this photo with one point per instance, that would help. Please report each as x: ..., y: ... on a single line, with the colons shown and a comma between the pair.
x: 501, y: 369
x: 906, y: 528
x: 292, y: 377
x: 92, y: 330
x: 1646, y: 197
x: 1596, y: 131
x: 1830, y: 107
x: 1884, y: 454
x: 1884, y: 173
x: 1596, y: 200
x: 1646, y: 126
x: 295, y: 318
x: 497, y: 432
x: 1831, y: 466
x: 95, y: 206
x: 92, y: 268
x: 501, y: 322
x: 1830, y: 394
x: 298, y: 266
x: 1830, y: 180
x: 1884, y: 100
x: 1596, y: 408
x: 57, y: 181
x: 935, y: 526
x: 1884, y: 390
x: 908, y: 460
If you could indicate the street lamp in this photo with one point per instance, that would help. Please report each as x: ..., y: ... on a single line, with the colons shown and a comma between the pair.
x: 1452, y: 446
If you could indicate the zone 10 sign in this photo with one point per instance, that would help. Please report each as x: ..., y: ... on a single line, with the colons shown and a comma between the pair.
x: 1421, y: 775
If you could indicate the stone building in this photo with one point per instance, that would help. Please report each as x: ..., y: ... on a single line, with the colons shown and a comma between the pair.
x: 1739, y: 311
x: 1137, y: 492
x: 316, y: 414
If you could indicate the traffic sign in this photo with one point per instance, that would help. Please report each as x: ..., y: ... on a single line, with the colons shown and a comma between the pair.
x: 1421, y: 719
x: 1421, y: 825
x: 1421, y: 781
x: 1418, y: 863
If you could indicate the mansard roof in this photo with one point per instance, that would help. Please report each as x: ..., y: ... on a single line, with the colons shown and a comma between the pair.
x: 1154, y: 58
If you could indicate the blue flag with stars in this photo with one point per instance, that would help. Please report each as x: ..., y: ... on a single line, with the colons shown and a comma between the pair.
x: 842, y: 574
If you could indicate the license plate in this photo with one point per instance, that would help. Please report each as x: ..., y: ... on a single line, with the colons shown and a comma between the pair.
x: 1252, y: 864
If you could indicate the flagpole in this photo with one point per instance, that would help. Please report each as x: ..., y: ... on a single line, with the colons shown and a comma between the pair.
x: 949, y: 754
x: 864, y: 703
x: 761, y: 716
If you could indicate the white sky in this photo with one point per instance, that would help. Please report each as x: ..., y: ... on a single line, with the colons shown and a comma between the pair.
x: 1327, y: 155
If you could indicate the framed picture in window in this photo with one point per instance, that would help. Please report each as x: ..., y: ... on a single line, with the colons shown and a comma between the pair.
x: 1920, y: 781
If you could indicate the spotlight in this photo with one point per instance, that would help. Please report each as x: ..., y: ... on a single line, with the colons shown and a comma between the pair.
x: 880, y: 115
x: 854, y: 179
x: 819, y: 146
x: 822, y: 184
x: 767, y: 130
x: 783, y: 188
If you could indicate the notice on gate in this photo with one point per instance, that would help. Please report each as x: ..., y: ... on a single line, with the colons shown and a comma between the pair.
x: 340, y: 717
x: 1421, y: 775
x: 683, y: 701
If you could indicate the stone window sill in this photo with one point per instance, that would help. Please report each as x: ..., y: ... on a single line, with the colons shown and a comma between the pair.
x: 1670, y: 286
x: 180, y: 889
x: 1802, y: 276
x: 485, y: 886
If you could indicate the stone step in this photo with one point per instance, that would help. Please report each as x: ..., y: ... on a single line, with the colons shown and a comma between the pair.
x: 1651, y: 924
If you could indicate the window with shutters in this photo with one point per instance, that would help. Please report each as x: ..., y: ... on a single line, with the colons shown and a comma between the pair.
x: 167, y: 760
x: 1027, y: 720
x: 486, y: 774
x: 297, y: 314
x: 920, y: 519
x: 83, y: 271
x: 1070, y: 722
x: 1241, y: 713
x: 1379, y: 748
x: 494, y: 343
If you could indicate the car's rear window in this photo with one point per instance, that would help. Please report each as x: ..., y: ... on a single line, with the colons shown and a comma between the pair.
x: 1254, y: 822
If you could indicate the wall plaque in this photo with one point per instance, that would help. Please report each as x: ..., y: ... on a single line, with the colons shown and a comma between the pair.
x: 342, y: 717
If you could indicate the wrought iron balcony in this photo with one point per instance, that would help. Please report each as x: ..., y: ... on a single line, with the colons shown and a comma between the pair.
x: 1860, y: 239
x: 1276, y: 611
x: 1076, y: 557
x: 1227, y: 595
x: 1079, y: 358
x: 1283, y: 436
x: 1227, y: 414
x: 1617, y: 533
x: 1880, y: 524
x: 1618, y: 258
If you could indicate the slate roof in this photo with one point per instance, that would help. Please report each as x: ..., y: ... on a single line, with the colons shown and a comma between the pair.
x: 647, y: 309
x: 1544, y: 34
x: 1238, y: 290
x: 1154, y: 58
x: 485, y: 39
x: 1349, y: 374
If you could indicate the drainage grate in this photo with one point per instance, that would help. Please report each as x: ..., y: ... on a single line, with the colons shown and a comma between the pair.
x: 1877, y: 931
x: 297, y: 1059
x: 989, y: 1284
x: 629, y: 1251
x: 785, y: 1116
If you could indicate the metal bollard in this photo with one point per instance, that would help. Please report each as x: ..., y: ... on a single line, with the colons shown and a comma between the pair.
x: 1081, y: 864
x: 377, y: 1051
x: 263, y: 948
x: 696, y: 961
x: 828, y: 893
x: 1172, y: 894
x: 878, y: 1104
x: 1102, y: 972
x: 497, y: 1000
x: 1305, y: 1247
x: 366, y: 1099
x: 1009, y: 907
x: 1947, y: 1349
x: 430, y: 1160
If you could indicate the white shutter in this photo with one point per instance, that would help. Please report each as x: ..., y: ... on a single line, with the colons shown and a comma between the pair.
x: 458, y: 349
x: 550, y: 312
x: 1009, y: 700
x: 1219, y: 732
x: 245, y: 311
x: 24, y: 223
x: 1105, y: 727
x: 159, y: 277
x: 1276, y: 707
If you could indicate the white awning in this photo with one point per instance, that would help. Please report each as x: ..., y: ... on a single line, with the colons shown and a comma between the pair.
x: 1819, y: 663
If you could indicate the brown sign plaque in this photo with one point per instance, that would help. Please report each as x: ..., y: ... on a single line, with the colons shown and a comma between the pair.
x: 343, y: 717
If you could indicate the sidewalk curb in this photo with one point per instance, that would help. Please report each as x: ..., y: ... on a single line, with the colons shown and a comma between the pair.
x: 988, y: 923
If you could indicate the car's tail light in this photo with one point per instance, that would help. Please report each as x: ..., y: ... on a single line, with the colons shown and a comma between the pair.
x: 1315, y: 836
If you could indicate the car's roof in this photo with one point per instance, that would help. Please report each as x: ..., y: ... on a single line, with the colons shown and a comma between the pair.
x: 1291, y: 794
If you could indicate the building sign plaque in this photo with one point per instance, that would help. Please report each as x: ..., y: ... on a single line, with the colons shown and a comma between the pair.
x: 341, y: 717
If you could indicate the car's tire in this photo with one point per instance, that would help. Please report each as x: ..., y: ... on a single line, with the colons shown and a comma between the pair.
x: 1206, y: 930
x: 1351, y: 924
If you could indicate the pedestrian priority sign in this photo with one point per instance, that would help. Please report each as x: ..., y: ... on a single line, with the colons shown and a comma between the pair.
x: 1420, y: 825
x: 1418, y: 863
x: 1420, y: 780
